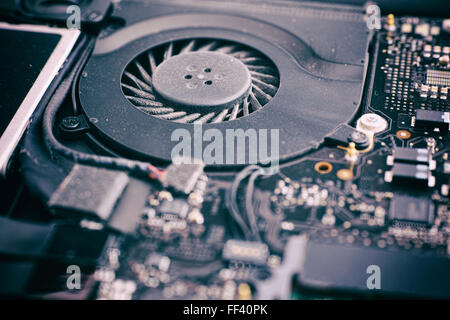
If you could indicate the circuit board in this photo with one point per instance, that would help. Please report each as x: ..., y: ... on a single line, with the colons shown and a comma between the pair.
x: 380, y: 198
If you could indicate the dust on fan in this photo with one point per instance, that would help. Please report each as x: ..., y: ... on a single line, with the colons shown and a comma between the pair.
x: 139, y: 88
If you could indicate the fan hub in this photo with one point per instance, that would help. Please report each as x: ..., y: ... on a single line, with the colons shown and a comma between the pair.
x: 202, y: 80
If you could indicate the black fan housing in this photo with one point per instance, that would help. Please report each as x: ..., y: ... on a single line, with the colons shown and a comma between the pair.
x: 136, y: 87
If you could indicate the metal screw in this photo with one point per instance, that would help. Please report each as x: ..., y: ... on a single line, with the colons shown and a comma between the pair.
x: 358, y: 138
x: 71, y: 123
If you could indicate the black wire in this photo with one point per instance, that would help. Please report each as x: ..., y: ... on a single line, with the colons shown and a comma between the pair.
x: 90, y: 48
x: 249, y: 204
x: 231, y: 202
x: 53, y: 145
x: 74, y: 91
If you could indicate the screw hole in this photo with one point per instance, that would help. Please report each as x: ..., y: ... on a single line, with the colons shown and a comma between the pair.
x: 207, y: 70
x: 323, y: 167
x: 188, y: 76
x: 208, y: 82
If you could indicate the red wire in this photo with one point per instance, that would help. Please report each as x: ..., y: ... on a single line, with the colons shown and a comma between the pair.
x: 156, y: 173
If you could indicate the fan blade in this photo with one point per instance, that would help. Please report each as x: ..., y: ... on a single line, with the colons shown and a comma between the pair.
x: 242, y: 54
x: 171, y: 116
x: 143, y: 73
x: 220, y: 116
x: 189, y: 47
x: 266, y: 87
x: 234, y: 112
x: 245, y: 107
x: 169, y: 51
x: 144, y: 102
x: 268, y: 78
x: 253, y: 60
x: 140, y: 93
x: 261, y: 95
x: 262, y: 69
x: 138, y: 82
x: 205, y: 118
x: 152, y: 62
x: 226, y: 49
x: 208, y: 47
x: 154, y: 110
x: 188, y: 118
x: 254, y: 102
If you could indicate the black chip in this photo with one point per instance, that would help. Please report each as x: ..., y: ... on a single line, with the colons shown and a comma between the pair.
x: 414, y: 155
x: 432, y: 119
x: 402, y: 171
x: 411, y: 209
x: 175, y: 207
x: 182, y: 177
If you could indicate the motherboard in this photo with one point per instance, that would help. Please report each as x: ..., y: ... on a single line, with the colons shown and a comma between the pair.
x: 375, y: 192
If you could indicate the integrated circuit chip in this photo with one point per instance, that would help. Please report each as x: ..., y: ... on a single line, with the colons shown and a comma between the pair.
x: 432, y: 119
x: 182, y: 176
x: 411, y: 209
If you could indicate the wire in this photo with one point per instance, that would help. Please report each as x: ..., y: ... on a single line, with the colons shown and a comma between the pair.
x: 53, y: 145
x: 155, y: 172
x: 233, y: 208
x: 249, y: 204
x: 74, y: 89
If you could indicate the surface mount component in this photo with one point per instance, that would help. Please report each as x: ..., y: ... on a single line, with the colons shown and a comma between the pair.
x: 419, y: 174
x: 432, y: 120
x: 182, y: 177
x: 411, y: 209
x: 411, y: 156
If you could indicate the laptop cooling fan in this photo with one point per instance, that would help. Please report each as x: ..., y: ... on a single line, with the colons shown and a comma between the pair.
x: 239, y: 67
x: 201, y: 81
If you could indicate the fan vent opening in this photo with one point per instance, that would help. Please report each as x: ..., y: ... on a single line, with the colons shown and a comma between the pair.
x: 200, y: 81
